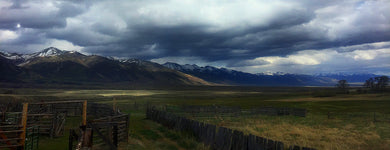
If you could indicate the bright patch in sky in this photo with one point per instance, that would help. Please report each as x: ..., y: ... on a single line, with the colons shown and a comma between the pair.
x: 6, y: 35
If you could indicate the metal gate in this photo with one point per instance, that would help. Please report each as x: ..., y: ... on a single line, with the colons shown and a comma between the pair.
x: 32, y: 138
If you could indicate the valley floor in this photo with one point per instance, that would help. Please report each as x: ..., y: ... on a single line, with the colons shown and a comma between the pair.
x: 333, y: 121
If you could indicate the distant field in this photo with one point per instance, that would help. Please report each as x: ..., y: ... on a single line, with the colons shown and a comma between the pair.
x: 350, y: 126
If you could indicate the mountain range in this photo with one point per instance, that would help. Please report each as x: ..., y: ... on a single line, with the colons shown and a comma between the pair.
x: 233, y: 77
x: 52, y: 65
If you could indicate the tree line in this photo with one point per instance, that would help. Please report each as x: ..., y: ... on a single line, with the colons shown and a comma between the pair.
x: 374, y: 84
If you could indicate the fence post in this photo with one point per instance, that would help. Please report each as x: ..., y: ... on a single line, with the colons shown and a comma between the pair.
x: 109, y: 129
x: 88, y: 135
x: 127, y: 127
x: 135, y: 105
x: 54, y: 125
x: 24, y: 125
x: 115, y: 135
x: 114, y: 105
x: 70, y: 144
x: 85, y: 113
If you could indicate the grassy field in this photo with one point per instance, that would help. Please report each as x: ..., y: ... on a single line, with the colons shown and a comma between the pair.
x: 351, y: 124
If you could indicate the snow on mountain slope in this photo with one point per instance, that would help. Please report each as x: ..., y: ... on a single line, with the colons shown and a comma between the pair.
x: 51, y: 51
x: 19, y: 59
x: 12, y: 56
x: 130, y: 61
x: 52, y: 65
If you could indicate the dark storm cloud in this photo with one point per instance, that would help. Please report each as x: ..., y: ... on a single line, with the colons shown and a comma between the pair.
x: 232, y: 32
x: 286, y: 32
x: 195, y: 40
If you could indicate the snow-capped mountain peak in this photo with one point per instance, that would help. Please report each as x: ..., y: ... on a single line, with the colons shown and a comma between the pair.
x: 12, y: 56
x: 179, y: 67
x: 190, y: 67
x: 173, y: 66
x: 51, y: 51
x: 4, y: 53
x: 19, y: 59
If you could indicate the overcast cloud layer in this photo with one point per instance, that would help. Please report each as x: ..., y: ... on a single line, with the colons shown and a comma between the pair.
x: 301, y: 36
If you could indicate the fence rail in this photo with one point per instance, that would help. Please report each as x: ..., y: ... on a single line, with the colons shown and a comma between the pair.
x: 233, y: 111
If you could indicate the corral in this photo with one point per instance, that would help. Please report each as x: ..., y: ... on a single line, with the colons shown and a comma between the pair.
x: 21, y: 130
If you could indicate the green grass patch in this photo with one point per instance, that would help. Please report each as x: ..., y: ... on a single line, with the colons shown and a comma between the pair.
x: 150, y: 135
x: 351, y: 119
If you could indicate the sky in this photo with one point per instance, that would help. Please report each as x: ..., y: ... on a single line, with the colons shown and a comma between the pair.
x: 291, y: 36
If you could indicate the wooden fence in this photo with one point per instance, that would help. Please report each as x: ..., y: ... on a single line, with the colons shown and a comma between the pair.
x: 275, y: 111
x: 110, y: 130
x: 233, y: 111
x: 49, y: 124
x: 69, y: 108
x: 20, y: 130
x: 219, y: 138
x: 98, y: 110
x: 201, y: 111
x: 11, y: 136
x: 106, y: 130
x: 13, y: 130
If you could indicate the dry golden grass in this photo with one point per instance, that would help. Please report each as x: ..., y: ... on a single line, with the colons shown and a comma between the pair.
x: 338, y: 98
x: 318, y: 136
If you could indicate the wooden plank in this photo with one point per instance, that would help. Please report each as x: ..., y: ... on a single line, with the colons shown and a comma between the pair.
x: 127, y: 127
x: 10, y: 139
x: 57, y: 102
x: 40, y: 115
x: 115, y: 135
x: 3, y: 136
x: 12, y: 131
x: 70, y: 140
x: 84, y: 123
x: 10, y: 126
x: 114, y: 105
x: 88, y: 135
x: 59, y: 129
x: 10, y: 146
x: 109, y: 130
x: 24, y: 124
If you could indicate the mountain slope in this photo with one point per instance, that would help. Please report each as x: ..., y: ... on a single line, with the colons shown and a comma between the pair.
x: 56, y: 66
x: 23, y: 58
x: 9, y: 72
